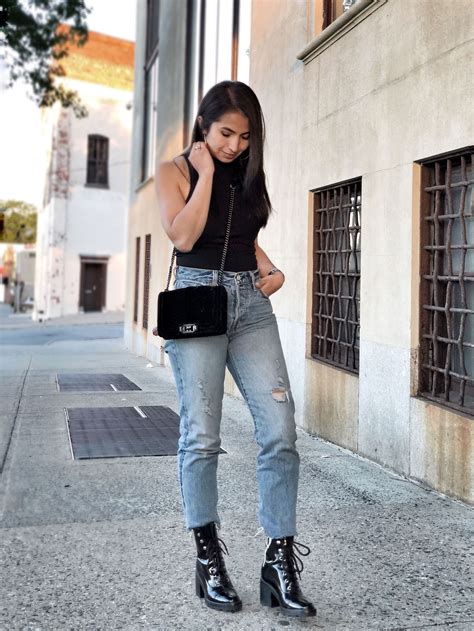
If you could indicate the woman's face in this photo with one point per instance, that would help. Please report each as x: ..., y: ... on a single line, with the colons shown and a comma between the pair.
x: 228, y: 136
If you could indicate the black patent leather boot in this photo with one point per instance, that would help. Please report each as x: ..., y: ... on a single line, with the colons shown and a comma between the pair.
x: 212, y: 581
x: 279, y: 586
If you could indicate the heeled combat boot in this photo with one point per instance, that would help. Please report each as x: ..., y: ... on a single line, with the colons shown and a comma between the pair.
x: 279, y: 586
x: 212, y: 581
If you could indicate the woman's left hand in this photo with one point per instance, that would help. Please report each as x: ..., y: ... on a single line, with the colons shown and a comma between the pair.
x: 268, y: 285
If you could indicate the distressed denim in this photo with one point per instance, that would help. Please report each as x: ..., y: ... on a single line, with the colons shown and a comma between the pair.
x: 251, y: 349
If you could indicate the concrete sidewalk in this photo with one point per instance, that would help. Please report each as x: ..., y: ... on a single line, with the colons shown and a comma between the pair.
x: 100, y: 544
x: 11, y: 320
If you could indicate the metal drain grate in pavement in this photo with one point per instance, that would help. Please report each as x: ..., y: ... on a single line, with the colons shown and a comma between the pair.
x: 116, y: 432
x: 121, y: 432
x: 94, y: 382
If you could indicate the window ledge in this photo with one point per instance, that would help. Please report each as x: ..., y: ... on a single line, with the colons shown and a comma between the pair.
x: 344, y: 23
x: 328, y: 364
x: 92, y: 185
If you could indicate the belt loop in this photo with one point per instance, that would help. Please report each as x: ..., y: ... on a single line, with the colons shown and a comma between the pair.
x: 215, y: 276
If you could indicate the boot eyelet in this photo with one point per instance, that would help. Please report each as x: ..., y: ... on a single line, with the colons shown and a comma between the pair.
x: 204, y: 547
x: 201, y: 540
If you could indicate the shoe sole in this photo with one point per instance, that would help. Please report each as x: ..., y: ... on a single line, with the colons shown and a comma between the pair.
x: 269, y: 598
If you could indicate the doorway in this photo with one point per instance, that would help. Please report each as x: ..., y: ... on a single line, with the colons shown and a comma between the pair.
x: 93, y: 283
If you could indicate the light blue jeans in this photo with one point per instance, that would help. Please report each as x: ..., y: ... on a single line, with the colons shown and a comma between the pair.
x: 251, y: 349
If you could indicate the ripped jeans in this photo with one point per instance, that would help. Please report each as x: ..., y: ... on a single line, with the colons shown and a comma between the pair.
x: 251, y: 349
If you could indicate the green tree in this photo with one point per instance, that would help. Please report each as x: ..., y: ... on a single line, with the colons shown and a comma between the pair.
x: 17, y: 222
x: 33, y: 45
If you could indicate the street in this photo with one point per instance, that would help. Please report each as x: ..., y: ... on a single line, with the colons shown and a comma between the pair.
x: 100, y: 544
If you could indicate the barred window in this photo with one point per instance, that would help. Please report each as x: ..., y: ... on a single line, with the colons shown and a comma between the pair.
x: 97, y: 161
x: 447, y: 281
x: 336, y: 275
x: 146, y: 280
x: 137, y: 279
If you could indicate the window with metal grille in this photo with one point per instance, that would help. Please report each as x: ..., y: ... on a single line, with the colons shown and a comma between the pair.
x: 137, y: 279
x: 151, y: 89
x: 336, y: 275
x: 447, y: 281
x: 146, y: 280
x: 97, y: 161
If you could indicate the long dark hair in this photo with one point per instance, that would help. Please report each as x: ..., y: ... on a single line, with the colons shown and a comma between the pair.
x: 235, y: 96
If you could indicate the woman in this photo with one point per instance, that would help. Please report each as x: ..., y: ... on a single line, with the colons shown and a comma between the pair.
x: 194, y: 192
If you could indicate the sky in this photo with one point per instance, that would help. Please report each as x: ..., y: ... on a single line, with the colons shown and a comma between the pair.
x: 113, y: 17
x: 19, y: 116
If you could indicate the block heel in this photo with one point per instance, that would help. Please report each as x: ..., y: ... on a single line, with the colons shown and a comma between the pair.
x: 267, y: 599
x: 199, y: 589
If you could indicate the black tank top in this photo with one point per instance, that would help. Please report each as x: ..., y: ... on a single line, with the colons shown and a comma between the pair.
x: 207, y: 251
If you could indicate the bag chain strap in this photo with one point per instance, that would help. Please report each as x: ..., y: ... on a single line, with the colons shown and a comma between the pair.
x: 226, y: 243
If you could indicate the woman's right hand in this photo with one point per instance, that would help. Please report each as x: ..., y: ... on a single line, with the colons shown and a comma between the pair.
x: 201, y: 158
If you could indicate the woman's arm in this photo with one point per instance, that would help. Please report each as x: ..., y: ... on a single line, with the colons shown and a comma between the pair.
x: 267, y: 284
x: 184, y: 223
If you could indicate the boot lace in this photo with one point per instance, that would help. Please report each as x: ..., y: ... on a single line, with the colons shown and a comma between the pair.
x: 292, y: 563
x: 216, y: 548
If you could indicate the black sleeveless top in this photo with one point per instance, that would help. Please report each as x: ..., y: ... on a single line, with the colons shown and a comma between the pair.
x: 207, y: 251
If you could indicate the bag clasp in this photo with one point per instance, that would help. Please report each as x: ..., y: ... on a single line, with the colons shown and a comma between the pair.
x: 188, y: 328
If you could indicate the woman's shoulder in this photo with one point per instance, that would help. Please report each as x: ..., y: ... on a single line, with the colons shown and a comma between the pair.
x: 176, y: 168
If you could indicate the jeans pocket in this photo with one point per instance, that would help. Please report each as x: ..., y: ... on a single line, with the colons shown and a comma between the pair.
x: 262, y: 294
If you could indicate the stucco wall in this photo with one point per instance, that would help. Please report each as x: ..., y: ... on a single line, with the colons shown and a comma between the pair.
x: 394, y: 89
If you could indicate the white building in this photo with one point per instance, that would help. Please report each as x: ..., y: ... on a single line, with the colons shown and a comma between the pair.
x: 82, y: 224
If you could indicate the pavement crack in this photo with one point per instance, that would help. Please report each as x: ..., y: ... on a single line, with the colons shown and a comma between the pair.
x: 429, y: 626
x: 15, y: 417
x: 4, y: 456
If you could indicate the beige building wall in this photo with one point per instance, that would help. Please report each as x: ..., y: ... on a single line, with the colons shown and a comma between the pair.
x: 389, y: 86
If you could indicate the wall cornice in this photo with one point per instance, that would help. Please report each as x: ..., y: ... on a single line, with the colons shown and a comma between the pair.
x: 344, y: 23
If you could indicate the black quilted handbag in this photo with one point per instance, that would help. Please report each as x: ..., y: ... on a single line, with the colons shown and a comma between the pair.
x: 195, y: 311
